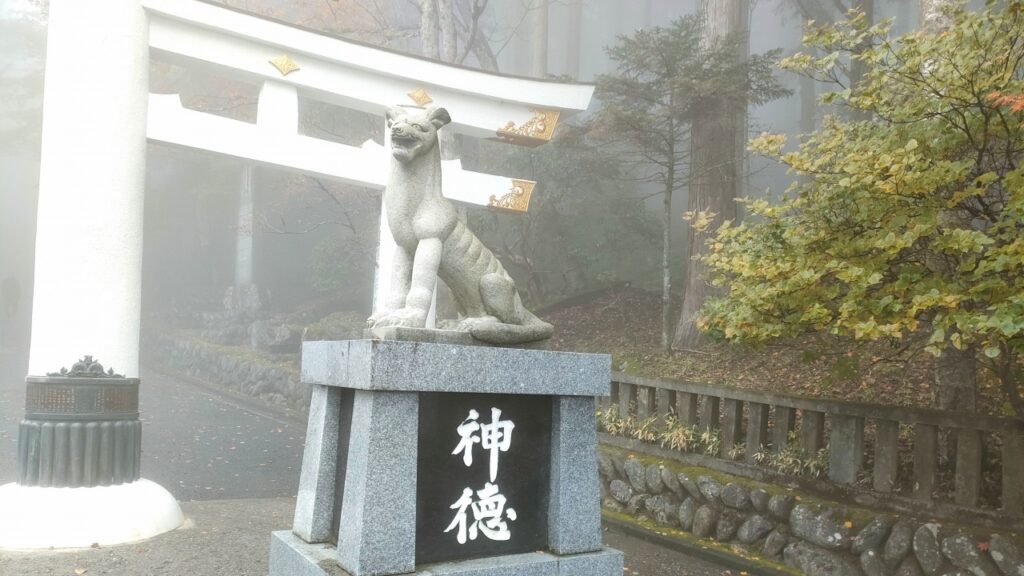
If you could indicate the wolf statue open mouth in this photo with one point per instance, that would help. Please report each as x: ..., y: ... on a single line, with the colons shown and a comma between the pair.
x: 407, y: 141
x: 434, y: 243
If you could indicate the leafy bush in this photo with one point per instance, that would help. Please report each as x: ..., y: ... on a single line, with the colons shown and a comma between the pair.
x: 907, y: 225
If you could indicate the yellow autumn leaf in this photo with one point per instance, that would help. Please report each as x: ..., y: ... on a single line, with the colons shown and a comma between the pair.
x: 699, y: 219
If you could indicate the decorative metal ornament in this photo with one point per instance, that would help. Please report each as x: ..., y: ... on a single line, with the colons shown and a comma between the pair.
x: 81, y: 428
x: 284, y: 64
x: 516, y: 200
x: 535, y: 131
x: 86, y: 368
x: 420, y: 97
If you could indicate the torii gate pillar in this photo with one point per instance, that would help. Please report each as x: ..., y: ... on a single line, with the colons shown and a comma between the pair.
x: 78, y: 480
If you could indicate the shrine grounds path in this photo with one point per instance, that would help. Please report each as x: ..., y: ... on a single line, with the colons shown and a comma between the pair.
x: 233, y: 463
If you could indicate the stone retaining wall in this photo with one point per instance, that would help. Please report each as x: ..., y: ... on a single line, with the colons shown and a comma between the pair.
x: 815, y: 538
x: 272, y: 378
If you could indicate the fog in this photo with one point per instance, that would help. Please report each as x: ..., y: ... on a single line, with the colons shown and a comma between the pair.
x: 313, y: 242
x: 801, y: 216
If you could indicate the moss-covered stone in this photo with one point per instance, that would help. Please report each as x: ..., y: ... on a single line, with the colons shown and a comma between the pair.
x: 890, y: 547
x: 688, y: 539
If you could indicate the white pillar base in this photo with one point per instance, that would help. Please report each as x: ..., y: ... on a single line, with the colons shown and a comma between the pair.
x: 33, y: 517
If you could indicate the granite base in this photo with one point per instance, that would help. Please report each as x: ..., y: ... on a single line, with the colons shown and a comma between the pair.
x: 291, y: 556
x: 359, y: 482
x: 436, y: 336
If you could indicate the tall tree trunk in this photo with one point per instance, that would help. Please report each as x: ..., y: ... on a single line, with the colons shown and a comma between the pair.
x: 428, y: 28
x: 438, y: 40
x: 954, y: 390
x: 666, y: 264
x: 244, y: 232
x: 1009, y: 374
x: 448, y: 46
x: 809, y: 106
x: 484, y: 55
x: 858, y: 68
x: 715, y: 165
x: 904, y: 17
x: 955, y: 379
x: 539, y: 38
x: 808, y: 99
x: 955, y: 370
x: 517, y: 51
x: 573, y: 38
x: 740, y: 116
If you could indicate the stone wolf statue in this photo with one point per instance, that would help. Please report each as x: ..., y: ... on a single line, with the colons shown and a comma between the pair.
x: 434, y: 243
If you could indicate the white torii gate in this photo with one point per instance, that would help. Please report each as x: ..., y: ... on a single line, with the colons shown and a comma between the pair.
x: 97, y: 117
x: 351, y: 75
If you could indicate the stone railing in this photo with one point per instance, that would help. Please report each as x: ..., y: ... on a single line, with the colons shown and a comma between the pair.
x: 921, y: 439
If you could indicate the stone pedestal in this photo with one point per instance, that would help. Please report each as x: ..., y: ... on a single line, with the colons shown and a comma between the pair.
x: 435, y: 458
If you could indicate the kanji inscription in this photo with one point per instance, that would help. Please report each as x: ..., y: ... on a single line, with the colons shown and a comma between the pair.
x: 483, y: 475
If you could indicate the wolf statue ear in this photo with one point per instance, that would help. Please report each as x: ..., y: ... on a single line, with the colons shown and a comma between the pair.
x: 394, y: 113
x: 438, y: 117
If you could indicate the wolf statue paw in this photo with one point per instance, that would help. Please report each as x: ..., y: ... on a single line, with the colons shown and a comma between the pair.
x: 403, y: 317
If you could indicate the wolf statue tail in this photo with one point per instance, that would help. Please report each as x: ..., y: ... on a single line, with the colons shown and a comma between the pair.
x: 532, y: 330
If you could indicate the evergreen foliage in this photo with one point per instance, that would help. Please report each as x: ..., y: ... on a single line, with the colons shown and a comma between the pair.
x: 583, y: 231
x: 665, y: 78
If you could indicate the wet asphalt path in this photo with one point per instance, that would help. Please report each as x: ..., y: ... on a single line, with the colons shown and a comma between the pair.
x: 203, y: 444
x: 13, y: 365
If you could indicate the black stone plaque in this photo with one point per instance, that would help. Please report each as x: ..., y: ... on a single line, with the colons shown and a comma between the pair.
x: 445, y: 480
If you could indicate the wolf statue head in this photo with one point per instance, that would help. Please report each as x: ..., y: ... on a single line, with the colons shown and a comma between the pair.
x: 414, y: 130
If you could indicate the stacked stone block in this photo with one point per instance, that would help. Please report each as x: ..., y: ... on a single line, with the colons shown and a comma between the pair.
x: 815, y: 539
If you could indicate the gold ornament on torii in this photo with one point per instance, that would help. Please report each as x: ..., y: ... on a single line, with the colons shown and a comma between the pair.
x: 516, y: 200
x: 284, y: 64
x: 420, y: 97
x: 536, y: 131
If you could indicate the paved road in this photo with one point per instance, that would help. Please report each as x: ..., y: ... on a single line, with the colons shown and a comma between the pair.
x: 13, y: 366
x: 205, y: 445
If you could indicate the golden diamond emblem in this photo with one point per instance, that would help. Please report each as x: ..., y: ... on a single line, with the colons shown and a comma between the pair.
x: 284, y: 64
x: 420, y: 97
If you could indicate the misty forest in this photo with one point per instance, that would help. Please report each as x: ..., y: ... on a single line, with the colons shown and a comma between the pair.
x: 795, y: 226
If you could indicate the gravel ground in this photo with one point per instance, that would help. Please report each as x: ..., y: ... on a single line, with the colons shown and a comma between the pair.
x: 220, y: 538
x: 232, y: 537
